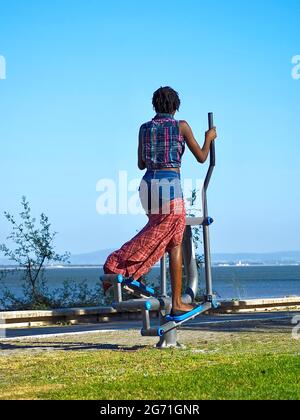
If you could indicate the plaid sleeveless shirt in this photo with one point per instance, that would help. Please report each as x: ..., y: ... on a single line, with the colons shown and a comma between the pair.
x: 162, y: 144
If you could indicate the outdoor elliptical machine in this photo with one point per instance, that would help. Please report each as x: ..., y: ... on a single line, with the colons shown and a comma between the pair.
x: 145, y: 298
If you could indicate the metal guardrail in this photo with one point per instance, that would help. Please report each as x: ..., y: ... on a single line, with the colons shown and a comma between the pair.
x: 109, y: 314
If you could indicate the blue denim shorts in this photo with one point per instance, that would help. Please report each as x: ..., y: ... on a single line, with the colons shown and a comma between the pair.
x: 158, y: 188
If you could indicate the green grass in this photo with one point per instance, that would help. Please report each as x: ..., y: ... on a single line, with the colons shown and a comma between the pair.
x: 232, y: 366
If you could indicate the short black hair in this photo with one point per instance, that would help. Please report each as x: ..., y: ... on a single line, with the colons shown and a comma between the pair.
x: 166, y: 100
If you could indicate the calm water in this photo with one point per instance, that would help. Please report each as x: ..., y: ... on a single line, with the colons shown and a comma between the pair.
x: 229, y: 282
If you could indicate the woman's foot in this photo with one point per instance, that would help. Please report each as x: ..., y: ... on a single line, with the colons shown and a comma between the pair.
x: 182, y: 309
x: 106, y: 285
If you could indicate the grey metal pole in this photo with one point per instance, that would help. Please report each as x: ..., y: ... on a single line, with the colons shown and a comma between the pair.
x: 190, y: 266
x: 206, y: 236
x: 163, y: 276
x: 170, y: 338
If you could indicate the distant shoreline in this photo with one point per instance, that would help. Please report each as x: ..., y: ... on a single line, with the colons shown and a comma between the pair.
x: 100, y: 266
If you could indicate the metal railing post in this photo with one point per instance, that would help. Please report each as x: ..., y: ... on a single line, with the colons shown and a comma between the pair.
x: 206, y: 236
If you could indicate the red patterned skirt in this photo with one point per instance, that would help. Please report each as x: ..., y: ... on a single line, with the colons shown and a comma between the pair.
x: 162, y: 233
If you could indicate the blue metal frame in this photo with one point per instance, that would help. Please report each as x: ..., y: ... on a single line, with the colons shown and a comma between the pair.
x: 197, y: 311
x: 140, y: 287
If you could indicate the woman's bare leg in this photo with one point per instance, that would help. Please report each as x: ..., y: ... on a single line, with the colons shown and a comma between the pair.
x: 176, y: 278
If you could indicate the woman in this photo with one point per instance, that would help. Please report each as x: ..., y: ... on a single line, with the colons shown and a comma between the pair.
x: 161, y: 147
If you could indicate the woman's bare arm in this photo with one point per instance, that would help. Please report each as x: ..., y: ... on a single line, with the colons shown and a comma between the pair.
x: 141, y: 163
x: 201, y: 154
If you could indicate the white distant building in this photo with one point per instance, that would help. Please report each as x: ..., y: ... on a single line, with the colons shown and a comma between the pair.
x: 241, y: 264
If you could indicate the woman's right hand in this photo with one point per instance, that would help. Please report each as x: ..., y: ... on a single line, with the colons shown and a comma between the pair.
x: 211, y: 135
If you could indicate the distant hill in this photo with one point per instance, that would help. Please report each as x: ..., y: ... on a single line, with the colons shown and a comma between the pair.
x: 5, y: 262
x: 92, y: 258
x: 271, y: 258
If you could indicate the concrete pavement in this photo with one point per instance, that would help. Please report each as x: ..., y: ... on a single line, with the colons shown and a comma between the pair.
x: 228, y: 322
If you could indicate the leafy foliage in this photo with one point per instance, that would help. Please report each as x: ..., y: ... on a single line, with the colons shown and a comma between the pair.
x: 32, y: 249
x: 193, y: 211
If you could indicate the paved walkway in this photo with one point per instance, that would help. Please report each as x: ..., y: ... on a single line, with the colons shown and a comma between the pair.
x: 216, y: 322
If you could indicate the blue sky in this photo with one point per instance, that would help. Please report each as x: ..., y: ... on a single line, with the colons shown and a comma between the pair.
x: 80, y: 77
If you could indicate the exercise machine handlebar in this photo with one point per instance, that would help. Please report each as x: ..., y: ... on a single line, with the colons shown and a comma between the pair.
x: 212, y: 154
x: 206, y: 238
